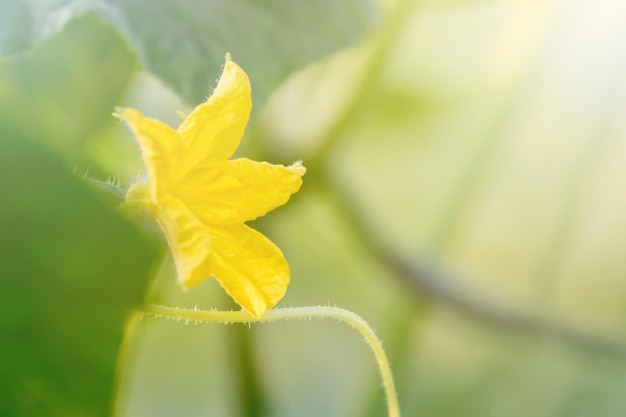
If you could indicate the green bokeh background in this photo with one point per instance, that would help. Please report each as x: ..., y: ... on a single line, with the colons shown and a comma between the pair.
x: 464, y: 195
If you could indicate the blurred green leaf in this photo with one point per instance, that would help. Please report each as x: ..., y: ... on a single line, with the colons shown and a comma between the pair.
x: 64, y: 89
x: 15, y: 27
x: 70, y: 272
x: 184, y: 43
x: 185, y: 46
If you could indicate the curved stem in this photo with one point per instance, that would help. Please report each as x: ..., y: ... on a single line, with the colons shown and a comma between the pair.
x: 320, y: 312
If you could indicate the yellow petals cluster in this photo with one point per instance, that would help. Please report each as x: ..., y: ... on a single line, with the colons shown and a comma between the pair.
x: 202, y: 199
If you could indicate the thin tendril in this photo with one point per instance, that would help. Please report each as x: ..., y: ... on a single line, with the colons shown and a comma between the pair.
x: 226, y: 317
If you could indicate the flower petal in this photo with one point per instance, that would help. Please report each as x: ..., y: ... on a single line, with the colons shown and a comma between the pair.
x: 188, y: 239
x: 236, y: 191
x: 214, y: 129
x: 251, y: 269
x: 159, y: 143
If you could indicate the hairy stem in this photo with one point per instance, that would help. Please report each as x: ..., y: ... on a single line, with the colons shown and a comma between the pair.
x: 319, y: 312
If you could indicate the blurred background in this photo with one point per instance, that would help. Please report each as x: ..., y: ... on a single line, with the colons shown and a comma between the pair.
x: 463, y: 195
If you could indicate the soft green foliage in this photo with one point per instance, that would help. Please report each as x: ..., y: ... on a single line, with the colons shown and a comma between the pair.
x: 270, y: 38
x: 62, y: 90
x: 15, y: 27
x: 184, y: 43
x: 71, y: 269
x: 71, y: 272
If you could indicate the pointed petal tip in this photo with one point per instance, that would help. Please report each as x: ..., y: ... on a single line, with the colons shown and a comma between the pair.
x: 297, y: 168
x: 233, y: 73
x: 118, y: 113
x: 123, y: 113
x: 258, y: 314
x: 188, y: 280
x: 256, y: 306
x: 126, y: 114
x: 230, y: 65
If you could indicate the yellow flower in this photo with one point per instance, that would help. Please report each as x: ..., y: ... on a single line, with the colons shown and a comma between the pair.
x: 201, y: 199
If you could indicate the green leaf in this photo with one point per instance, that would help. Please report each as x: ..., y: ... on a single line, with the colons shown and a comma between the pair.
x: 15, y: 27
x: 64, y: 89
x: 185, y: 46
x: 71, y: 270
x: 184, y: 43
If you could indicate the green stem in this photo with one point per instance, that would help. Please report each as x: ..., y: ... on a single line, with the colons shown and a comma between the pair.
x: 319, y: 312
